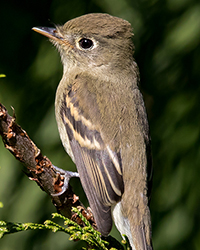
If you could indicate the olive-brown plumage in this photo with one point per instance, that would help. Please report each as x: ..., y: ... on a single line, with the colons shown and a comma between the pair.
x: 102, y: 121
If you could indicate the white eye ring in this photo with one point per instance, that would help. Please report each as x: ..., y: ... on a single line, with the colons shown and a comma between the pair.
x: 86, y: 43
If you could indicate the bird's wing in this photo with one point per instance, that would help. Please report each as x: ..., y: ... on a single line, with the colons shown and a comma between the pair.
x: 99, y: 167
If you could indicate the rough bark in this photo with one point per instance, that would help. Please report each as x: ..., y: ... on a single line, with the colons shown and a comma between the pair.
x: 39, y: 168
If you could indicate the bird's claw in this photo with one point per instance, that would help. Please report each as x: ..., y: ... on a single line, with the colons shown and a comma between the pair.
x: 66, y: 176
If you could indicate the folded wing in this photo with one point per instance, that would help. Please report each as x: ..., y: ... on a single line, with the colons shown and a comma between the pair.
x: 99, y: 167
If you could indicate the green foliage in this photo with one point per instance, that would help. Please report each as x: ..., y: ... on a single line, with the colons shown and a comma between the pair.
x: 76, y: 232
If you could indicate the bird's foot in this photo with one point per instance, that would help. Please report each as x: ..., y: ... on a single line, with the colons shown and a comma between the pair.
x: 65, y: 176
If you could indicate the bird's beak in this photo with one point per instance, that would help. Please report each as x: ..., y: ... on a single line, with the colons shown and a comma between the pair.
x: 53, y: 34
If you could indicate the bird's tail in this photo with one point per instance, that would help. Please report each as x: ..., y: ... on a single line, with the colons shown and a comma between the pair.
x: 137, y: 230
x: 141, y: 234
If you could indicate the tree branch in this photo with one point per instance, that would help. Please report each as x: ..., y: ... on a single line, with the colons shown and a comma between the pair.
x: 40, y: 169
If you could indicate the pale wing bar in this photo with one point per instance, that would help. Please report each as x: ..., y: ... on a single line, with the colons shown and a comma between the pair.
x: 99, y: 167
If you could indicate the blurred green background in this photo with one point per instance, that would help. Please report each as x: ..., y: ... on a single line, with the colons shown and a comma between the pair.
x: 167, y: 40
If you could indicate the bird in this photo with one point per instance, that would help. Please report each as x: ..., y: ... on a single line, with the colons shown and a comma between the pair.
x: 102, y: 121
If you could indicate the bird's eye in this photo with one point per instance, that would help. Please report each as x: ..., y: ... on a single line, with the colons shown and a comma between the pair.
x: 86, y: 43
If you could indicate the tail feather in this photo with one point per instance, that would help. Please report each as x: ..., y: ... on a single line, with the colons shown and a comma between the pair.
x: 139, y: 234
x: 140, y: 239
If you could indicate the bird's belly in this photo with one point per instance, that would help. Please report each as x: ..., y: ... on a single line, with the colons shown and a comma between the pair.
x: 122, y: 222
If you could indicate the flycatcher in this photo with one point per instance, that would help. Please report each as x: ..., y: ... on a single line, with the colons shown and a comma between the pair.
x: 102, y: 121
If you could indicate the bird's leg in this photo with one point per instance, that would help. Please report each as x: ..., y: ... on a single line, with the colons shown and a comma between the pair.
x: 66, y: 176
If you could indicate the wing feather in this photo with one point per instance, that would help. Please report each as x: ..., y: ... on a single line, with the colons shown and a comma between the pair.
x: 99, y: 167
